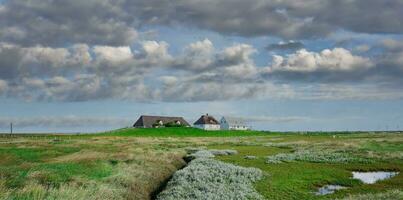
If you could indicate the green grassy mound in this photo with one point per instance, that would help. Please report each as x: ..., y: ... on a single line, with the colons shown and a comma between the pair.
x: 180, y: 132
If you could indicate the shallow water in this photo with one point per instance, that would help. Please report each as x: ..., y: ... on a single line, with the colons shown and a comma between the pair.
x: 329, y: 189
x: 373, y: 177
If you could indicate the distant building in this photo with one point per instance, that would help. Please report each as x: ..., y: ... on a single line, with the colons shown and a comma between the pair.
x: 233, y: 123
x: 159, y: 121
x: 207, y: 122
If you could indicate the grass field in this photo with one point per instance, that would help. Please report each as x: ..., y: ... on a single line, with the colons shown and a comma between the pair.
x: 135, y: 163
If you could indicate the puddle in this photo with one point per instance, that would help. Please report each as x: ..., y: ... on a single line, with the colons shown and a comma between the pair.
x: 329, y: 189
x: 373, y: 177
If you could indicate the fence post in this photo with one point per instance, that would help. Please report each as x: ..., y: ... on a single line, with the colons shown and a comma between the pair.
x: 11, y: 128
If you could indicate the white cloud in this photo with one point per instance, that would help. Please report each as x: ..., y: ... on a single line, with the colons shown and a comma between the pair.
x: 334, y: 60
x: 45, y: 55
x: 156, y: 52
x: 239, y: 53
x: 81, y: 55
x: 197, y: 56
x: 113, y: 54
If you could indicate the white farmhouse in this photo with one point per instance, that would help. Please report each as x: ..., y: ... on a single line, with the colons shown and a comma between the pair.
x: 233, y: 123
x: 207, y: 122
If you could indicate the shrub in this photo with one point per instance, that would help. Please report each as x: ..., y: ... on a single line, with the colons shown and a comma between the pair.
x: 206, y: 178
x: 250, y: 157
x: 210, y: 153
x: 223, y: 152
x: 173, y: 124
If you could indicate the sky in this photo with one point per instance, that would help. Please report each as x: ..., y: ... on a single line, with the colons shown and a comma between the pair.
x: 282, y: 65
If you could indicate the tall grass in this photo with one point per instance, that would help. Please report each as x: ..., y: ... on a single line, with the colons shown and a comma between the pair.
x: 389, y: 195
x: 85, y: 168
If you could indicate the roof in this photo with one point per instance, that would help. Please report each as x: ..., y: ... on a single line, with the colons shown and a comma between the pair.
x: 206, y: 119
x: 146, y: 121
x: 237, y: 121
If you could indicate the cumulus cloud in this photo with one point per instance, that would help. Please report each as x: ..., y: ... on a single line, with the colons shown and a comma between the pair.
x: 81, y: 73
x: 112, y: 54
x: 200, y: 72
x: 197, y: 56
x: 156, y: 52
x: 328, y: 65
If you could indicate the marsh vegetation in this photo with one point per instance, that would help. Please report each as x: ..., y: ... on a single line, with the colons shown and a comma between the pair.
x: 129, y: 164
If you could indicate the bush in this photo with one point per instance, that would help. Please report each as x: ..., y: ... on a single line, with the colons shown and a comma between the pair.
x: 209, y: 153
x: 206, y: 178
x: 173, y: 124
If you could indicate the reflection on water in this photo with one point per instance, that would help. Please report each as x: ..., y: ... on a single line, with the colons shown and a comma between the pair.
x: 329, y: 189
x: 373, y: 177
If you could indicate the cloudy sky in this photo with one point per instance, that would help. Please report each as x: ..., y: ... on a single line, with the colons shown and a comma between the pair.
x: 280, y: 64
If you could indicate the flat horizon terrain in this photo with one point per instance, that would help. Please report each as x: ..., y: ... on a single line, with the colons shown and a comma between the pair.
x: 137, y: 163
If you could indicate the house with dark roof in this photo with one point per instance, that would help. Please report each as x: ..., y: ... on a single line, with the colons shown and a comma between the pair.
x: 233, y: 123
x: 146, y: 121
x: 207, y: 122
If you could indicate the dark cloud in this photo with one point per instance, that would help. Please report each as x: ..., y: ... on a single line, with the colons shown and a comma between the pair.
x: 105, y: 22
x: 286, y: 19
x: 59, y: 22
x: 285, y: 46
x: 362, y: 16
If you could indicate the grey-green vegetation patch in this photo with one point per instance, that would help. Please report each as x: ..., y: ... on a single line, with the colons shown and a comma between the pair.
x: 392, y: 194
x: 206, y: 178
x: 223, y: 152
x: 250, y: 157
x: 203, y: 153
x: 317, y: 157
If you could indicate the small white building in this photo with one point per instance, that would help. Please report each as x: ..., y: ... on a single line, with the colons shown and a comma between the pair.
x: 233, y: 123
x: 207, y: 122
